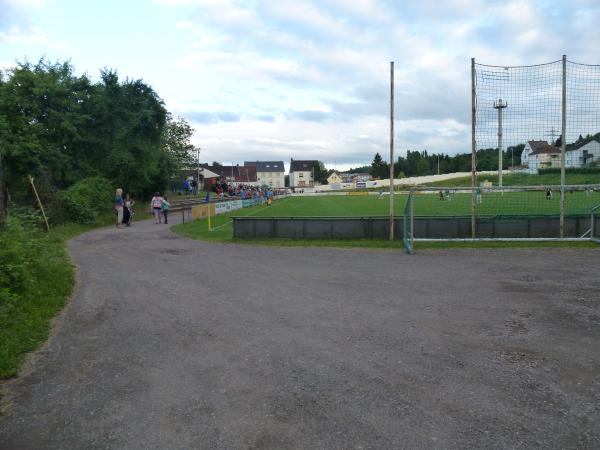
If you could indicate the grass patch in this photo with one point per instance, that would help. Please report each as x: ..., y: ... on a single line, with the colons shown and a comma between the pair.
x: 27, y: 308
x: 522, y: 179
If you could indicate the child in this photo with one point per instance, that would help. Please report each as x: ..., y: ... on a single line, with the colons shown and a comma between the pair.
x: 156, y: 204
x: 165, y: 209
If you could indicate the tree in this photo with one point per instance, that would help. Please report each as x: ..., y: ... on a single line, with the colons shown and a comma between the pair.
x: 320, y: 173
x: 60, y: 128
x: 423, y: 167
x: 217, y: 164
x: 176, y: 141
x: 379, y: 168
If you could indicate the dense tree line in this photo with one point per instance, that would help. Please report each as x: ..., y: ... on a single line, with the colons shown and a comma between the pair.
x: 418, y: 163
x: 61, y: 128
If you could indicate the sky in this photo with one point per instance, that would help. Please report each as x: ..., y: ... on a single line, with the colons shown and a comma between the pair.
x: 281, y: 79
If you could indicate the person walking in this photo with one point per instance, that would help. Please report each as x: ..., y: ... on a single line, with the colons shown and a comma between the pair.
x: 156, y: 204
x: 165, y: 209
x: 119, y: 207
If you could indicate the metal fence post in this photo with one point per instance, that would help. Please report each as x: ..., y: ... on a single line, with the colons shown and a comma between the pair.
x: 391, y: 150
x: 473, y: 151
x: 563, y: 146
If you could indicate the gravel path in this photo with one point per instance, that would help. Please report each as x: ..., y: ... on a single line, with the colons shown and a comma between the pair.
x: 172, y: 343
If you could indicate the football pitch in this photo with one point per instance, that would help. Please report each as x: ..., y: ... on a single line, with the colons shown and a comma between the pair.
x: 532, y: 203
x: 428, y: 204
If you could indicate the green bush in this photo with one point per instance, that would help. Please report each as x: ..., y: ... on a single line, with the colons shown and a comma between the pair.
x: 36, y: 278
x: 19, y: 247
x: 82, y: 202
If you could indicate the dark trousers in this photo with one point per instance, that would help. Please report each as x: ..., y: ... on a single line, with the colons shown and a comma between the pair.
x: 166, y: 214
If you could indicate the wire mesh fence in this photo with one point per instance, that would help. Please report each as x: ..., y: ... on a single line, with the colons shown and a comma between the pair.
x: 505, y: 213
x: 525, y: 110
x: 536, y: 125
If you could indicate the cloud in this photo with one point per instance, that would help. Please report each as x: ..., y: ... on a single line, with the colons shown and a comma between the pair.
x: 310, y: 116
x: 212, y: 117
x: 30, y: 36
x: 307, y: 78
x: 225, y: 13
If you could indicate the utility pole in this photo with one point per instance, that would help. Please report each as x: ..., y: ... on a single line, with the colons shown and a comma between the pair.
x: 553, y: 134
x: 391, y: 150
x: 198, y: 175
x: 500, y: 106
x: 438, y: 164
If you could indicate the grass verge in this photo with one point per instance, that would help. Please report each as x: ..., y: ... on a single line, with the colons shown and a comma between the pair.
x: 47, y: 282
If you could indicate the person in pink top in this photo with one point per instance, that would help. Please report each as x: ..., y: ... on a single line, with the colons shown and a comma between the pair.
x: 156, y: 204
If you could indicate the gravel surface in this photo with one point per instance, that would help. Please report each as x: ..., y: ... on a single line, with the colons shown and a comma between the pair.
x: 170, y: 343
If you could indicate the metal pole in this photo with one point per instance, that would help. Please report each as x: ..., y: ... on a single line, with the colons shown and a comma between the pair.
x: 500, y: 106
x: 198, y: 175
x: 563, y: 146
x: 473, y: 151
x: 391, y: 150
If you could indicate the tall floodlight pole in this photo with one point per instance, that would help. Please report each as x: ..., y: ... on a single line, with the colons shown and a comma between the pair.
x: 563, y: 146
x: 473, y: 151
x: 500, y: 105
x: 391, y: 150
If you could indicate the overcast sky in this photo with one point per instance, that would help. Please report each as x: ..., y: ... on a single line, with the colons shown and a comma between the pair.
x: 281, y: 79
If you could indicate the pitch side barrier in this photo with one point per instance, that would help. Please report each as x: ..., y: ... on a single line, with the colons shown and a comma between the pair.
x: 227, y: 206
x: 199, y: 209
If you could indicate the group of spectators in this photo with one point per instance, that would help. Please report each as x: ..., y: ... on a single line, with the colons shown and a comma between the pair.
x: 245, y: 191
x: 190, y: 186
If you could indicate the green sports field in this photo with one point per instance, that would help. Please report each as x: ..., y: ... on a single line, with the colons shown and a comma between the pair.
x: 425, y: 204
x: 428, y: 204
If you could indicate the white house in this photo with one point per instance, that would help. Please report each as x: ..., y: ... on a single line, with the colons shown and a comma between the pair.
x: 334, y: 178
x: 270, y: 173
x: 539, y: 155
x: 302, y: 173
x: 582, y: 154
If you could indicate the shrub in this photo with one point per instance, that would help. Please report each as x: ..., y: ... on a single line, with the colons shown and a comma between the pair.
x: 82, y: 202
x: 19, y: 248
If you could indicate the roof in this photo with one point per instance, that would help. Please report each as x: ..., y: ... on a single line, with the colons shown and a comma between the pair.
x: 542, y: 147
x: 266, y: 166
x: 298, y: 165
x: 578, y: 145
x: 207, y: 173
x: 239, y: 173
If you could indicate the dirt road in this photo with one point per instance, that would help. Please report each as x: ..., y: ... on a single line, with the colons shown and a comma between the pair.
x: 173, y: 343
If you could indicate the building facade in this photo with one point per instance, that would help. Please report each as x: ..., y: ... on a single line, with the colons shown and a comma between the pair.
x: 541, y: 155
x: 302, y: 173
x: 270, y: 173
x: 334, y: 178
